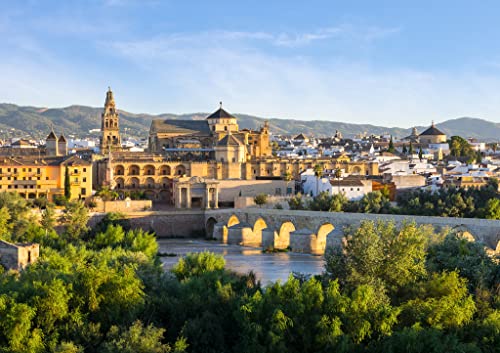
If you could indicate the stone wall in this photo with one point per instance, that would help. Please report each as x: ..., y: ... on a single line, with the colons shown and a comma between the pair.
x: 179, y: 223
x: 123, y: 205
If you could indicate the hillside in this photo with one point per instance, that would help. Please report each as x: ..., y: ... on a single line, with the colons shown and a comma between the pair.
x: 78, y: 120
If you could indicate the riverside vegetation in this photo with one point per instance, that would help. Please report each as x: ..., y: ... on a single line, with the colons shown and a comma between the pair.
x: 482, y: 202
x: 389, y: 289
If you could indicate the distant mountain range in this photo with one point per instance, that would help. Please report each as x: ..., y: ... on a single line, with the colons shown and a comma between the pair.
x: 79, y: 120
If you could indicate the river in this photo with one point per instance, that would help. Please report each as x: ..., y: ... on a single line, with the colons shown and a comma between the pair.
x: 267, y: 267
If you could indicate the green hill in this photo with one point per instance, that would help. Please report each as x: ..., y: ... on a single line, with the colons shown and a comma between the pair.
x: 79, y: 120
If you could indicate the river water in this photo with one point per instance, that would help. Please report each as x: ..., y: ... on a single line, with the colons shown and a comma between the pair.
x: 268, y: 267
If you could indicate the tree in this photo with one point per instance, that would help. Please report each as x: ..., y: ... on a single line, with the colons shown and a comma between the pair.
x: 137, y: 339
x: 318, y: 173
x: 48, y: 219
x: 459, y: 147
x: 381, y: 255
x: 75, y: 218
x: 420, y: 153
x: 67, y: 184
x: 391, y: 148
x: 260, y: 199
x: 296, y: 202
x: 492, y: 209
x: 196, y: 264
x: 410, y: 150
x: 288, y: 177
x: 405, y: 150
x: 374, y: 202
x: 338, y: 174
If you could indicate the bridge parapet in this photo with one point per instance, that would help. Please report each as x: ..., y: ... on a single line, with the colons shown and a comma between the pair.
x: 277, y: 226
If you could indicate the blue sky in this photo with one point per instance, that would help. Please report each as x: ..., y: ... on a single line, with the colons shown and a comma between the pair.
x: 394, y: 63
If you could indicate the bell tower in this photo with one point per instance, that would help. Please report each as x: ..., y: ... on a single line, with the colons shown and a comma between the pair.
x: 110, y: 127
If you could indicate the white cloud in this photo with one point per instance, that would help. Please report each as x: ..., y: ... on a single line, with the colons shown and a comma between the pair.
x: 199, y: 70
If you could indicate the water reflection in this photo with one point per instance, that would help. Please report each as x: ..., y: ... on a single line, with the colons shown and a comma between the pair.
x: 268, y: 267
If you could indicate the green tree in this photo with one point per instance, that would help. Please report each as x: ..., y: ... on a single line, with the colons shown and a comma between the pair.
x: 318, y: 173
x: 492, y: 209
x: 391, y: 148
x: 138, y: 339
x: 260, y: 199
x: 195, y: 264
x: 337, y: 175
x: 75, y: 218
x: 404, y: 150
x: 382, y: 255
x: 67, y: 184
x: 48, y: 219
x: 374, y: 202
x: 410, y: 150
x: 296, y: 202
x: 444, y: 303
x: 420, y: 153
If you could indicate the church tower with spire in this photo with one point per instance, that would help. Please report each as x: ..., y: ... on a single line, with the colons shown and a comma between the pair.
x: 110, y: 127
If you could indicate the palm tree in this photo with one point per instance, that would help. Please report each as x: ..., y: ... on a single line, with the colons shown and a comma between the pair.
x: 337, y: 174
x: 288, y: 177
x: 318, y: 173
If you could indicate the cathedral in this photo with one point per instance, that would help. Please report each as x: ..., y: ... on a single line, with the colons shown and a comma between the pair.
x: 189, y: 161
x: 217, y: 137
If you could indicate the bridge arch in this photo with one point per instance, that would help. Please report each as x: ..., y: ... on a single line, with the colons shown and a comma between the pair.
x: 324, y: 230
x: 209, y: 227
x: 286, y: 228
x: 232, y: 221
x: 259, y: 224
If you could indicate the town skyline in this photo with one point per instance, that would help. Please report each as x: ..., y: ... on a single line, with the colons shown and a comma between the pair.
x: 355, y: 62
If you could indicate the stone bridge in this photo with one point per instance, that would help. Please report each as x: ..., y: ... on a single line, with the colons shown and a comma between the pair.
x: 312, y: 232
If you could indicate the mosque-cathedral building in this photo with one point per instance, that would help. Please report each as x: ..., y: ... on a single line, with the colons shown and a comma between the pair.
x: 188, y: 161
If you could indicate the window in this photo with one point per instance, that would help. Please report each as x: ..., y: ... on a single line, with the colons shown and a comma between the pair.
x: 234, y: 160
x: 15, y: 170
x: 24, y: 169
x: 352, y: 189
x: 84, y: 179
x: 10, y: 186
x: 29, y: 169
x: 15, y: 178
x: 76, y: 170
x: 37, y: 178
x: 83, y: 191
x: 8, y: 170
x: 84, y: 170
x: 8, y: 178
x: 24, y: 178
x: 38, y: 170
x: 225, y: 128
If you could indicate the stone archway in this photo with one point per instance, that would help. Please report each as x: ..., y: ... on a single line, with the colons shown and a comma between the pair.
x: 232, y: 221
x: 209, y: 227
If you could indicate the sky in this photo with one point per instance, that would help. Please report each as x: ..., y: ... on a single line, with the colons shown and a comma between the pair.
x: 385, y: 62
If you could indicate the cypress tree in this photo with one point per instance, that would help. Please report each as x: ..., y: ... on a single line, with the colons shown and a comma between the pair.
x: 405, y: 151
x: 391, y: 146
x: 420, y: 153
x: 67, y: 184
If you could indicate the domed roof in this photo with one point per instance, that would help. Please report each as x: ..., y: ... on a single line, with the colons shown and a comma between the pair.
x: 432, y: 131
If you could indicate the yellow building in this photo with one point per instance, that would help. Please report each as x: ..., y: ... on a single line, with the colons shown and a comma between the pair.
x: 33, y: 177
